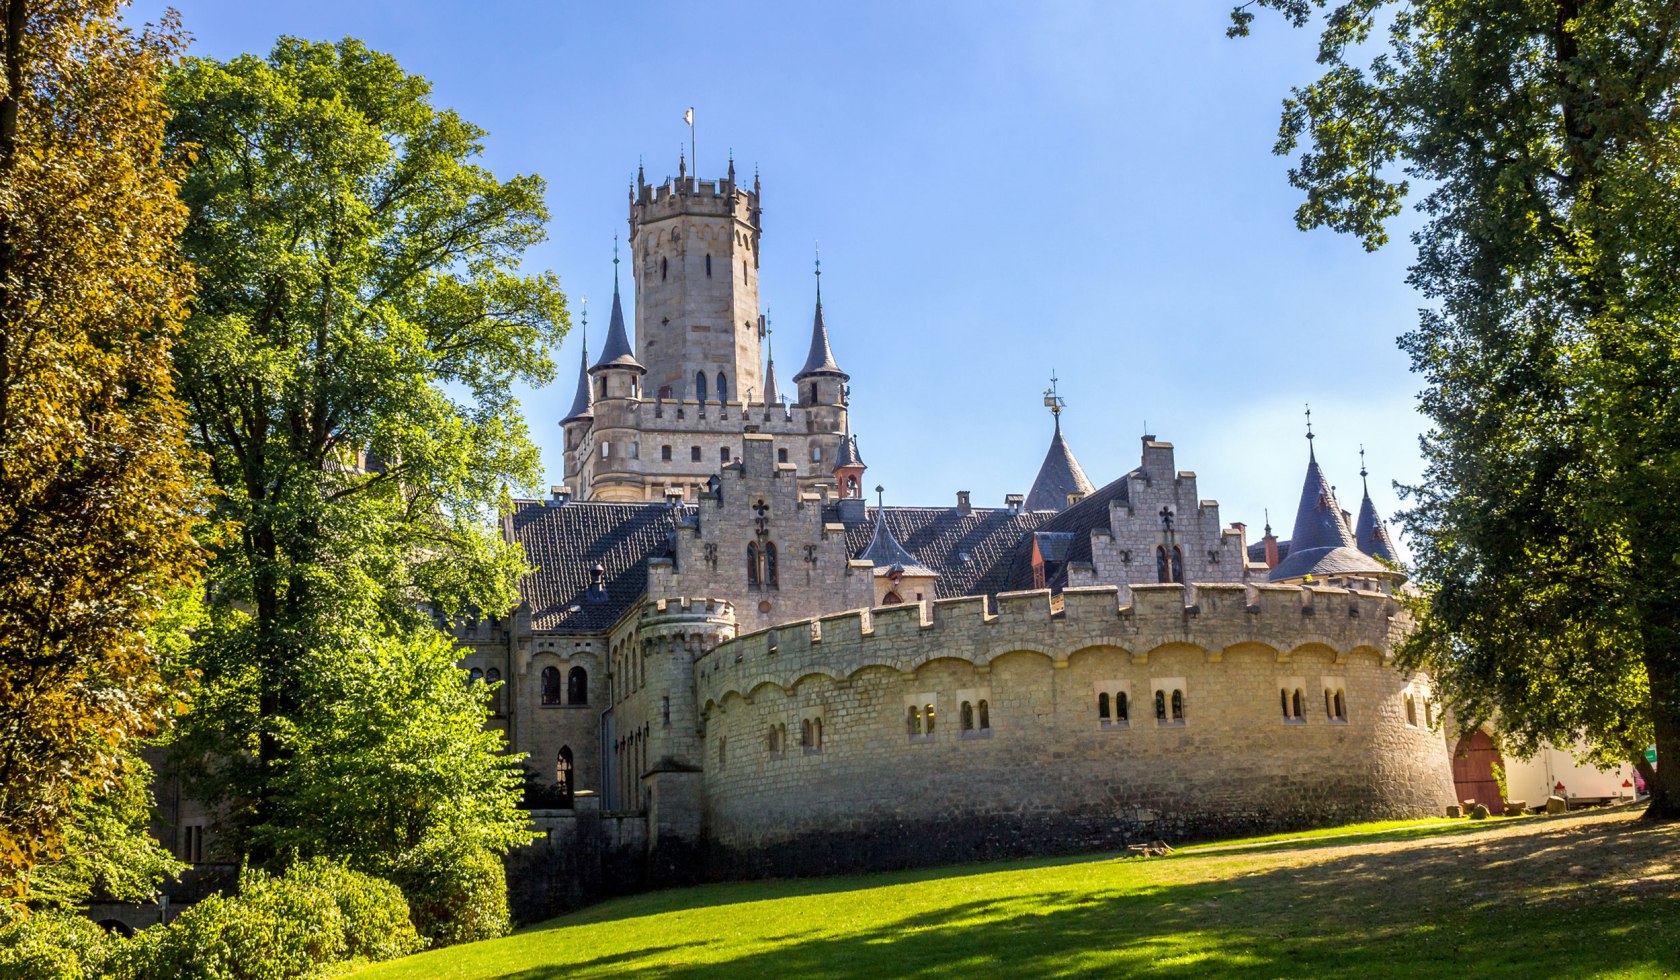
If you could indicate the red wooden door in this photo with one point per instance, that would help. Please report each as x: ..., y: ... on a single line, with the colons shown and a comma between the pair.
x: 1473, y: 763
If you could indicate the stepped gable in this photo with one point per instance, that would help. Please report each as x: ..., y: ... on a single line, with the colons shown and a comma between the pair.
x: 940, y: 537
x: 1078, y: 521
x: 1059, y: 475
x: 565, y: 542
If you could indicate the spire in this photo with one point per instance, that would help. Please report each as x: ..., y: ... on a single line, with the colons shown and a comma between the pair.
x: 772, y: 397
x: 616, y: 353
x: 1060, y: 474
x: 682, y: 164
x: 849, y: 456
x: 1321, y: 542
x: 884, y: 550
x: 1370, y: 533
x: 583, y: 403
x: 821, y: 358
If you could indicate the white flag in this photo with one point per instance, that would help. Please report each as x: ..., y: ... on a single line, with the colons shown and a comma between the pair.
x: 688, y: 117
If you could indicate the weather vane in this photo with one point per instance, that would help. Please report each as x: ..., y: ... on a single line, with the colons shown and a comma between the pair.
x: 1054, y: 402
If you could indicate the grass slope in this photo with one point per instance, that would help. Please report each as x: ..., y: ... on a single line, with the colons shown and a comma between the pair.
x: 1576, y: 895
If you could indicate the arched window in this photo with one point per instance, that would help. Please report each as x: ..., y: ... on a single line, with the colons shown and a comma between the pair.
x: 1121, y: 708
x: 474, y: 676
x: 664, y: 267
x: 927, y: 717
x: 1428, y: 713
x: 985, y: 716
x: 770, y: 565
x: 700, y: 386
x: 1300, y: 704
x: 1161, y: 571
x: 708, y: 267
x: 1178, y: 706
x: 550, y: 685
x: 752, y: 564
x: 1411, y: 711
x: 913, y: 721
x: 816, y: 726
x: 1341, y: 707
x: 851, y: 486
x: 723, y: 388
x: 967, y: 716
x: 493, y: 677
x: 577, y: 686
x: 805, y: 734
x: 1177, y: 564
x: 1161, y: 707
x: 1283, y: 698
x: 563, y: 776
x: 892, y: 599
x: 1102, y: 706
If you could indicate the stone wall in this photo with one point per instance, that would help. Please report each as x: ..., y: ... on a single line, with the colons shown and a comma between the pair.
x: 1046, y: 773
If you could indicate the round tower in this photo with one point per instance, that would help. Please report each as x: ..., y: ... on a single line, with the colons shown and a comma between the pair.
x: 694, y: 245
x: 613, y: 470
x: 821, y: 383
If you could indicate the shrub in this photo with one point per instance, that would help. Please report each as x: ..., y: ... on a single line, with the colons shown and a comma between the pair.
x: 376, y: 917
x: 457, y: 893
x: 54, y: 946
x: 274, y: 929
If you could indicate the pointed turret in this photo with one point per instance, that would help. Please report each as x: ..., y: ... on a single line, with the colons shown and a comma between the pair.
x: 849, y: 466
x: 819, y: 363
x: 1060, y: 475
x: 616, y: 353
x: 889, y: 556
x: 1321, y: 544
x: 583, y: 403
x: 1370, y: 534
x: 772, y: 397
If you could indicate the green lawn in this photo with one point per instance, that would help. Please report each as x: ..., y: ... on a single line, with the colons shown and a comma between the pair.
x: 1576, y: 895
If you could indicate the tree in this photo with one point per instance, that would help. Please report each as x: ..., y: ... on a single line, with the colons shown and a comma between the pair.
x: 1547, y: 529
x: 97, y: 506
x: 348, y: 366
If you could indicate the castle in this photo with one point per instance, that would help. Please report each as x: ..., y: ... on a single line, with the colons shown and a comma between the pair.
x: 728, y: 656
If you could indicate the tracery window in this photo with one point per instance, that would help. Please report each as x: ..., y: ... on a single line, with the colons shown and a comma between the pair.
x: 723, y: 388
x: 1161, y: 570
x: 1177, y: 564
x: 563, y: 776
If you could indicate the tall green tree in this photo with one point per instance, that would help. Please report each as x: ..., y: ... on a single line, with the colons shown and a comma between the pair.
x: 97, y: 505
x: 348, y: 365
x: 1547, y: 529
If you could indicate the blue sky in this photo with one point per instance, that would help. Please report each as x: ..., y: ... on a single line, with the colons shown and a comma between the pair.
x: 999, y: 190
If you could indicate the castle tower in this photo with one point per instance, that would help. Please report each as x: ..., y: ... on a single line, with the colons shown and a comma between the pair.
x: 577, y: 421
x: 1371, y: 534
x: 1061, y: 480
x: 1322, y: 548
x: 849, y: 467
x: 821, y: 384
x: 614, y: 469
x: 694, y: 245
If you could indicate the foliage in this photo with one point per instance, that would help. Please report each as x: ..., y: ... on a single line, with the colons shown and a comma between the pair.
x: 1547, y: 529
x: 97, y: 506
x: 54, y: 946
x: 457, y: 892
x: 388, y: 750
x: 274, y: 928
x: 375, y: 914
x: 348, y: 366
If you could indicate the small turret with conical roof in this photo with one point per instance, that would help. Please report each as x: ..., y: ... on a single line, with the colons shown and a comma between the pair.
x: 1370, y: 534
x: 1322, y: 548
x: 1060, y: 477
x: 772, y: 396
x: 583, y: 402
x: 849, y: 467
x: 618, y: 372
x: 899, y: 575
x: 820, y: 381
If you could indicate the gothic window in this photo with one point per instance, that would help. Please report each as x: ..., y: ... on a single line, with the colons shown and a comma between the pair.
x: 723, y: 388
x: 577, y: 686
x: 563, y: 776
x: 1102, y: 706
x: 892, y: 599
x: 694, y: 454
x: 700, y: 386
x: 665, y: 454
x: 708, y: 267
x: 967, y: 716
x: 1177, y: 565
x: 1161, y: 573
x: 550, y: 685
x: 985, y: 711
x: 1160, y: 707
x: 752, y: 564
x: 770, y: 578
x: 1121, y: 708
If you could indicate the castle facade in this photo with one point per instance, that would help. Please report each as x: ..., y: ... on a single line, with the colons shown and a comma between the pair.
x: 729, y: 659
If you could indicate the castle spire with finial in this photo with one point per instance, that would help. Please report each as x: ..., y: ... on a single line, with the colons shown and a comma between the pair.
x: 583, y: 403
x: 820, y: 361
x: 617, y: 352
x: 1370, y: 532
x: 1060, y: 476
x: 772, y: 397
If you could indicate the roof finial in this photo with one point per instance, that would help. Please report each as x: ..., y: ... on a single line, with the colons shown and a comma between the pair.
x: 816, y: 248
x: 584, y: 326
x: 682, y: 163
x: 1362, y: 474
x: 1309, y: 431
x: 880, y: 497
x: 1268, y: 513
x: 615, y: 265
x: 1054, y: 402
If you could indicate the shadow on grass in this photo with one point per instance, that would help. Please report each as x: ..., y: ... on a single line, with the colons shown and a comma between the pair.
x: 1578, y: 897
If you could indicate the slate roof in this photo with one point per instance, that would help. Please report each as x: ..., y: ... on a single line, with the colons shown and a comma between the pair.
x: 821, y: 358
x: 849, y: 455
x: 887, y: 554
x: 1321, y: 543
x: 1077, y: 522
x: 1059, y: 475
x: 772, y: 397
x: 583, y: 403
x: 1371, y: 535
x: 617, y: 352
x: 567, y: 541
x: 972, y: 553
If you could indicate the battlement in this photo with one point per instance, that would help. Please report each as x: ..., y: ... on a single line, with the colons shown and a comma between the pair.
x: 682, y: 607
x: 1217, y: 618
x: 691, y: 195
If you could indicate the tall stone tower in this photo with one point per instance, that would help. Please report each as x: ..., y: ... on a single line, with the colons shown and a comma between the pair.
x: 695, y: 247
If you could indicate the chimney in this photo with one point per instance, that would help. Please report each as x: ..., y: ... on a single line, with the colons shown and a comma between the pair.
x: 1271, y: 547
x: 963, y: 506
x: 1014, y: 501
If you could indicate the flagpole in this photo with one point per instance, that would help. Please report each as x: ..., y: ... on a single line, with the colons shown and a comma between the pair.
x: 693, y: 152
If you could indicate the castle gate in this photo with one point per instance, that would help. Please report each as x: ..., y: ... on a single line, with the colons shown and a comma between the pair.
x: 1473, y: 763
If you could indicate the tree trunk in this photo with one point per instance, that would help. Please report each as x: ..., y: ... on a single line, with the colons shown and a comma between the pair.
x: 1661, y: 660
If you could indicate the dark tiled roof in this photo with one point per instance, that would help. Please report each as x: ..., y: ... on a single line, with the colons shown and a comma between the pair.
x: 1371, y: 534
x: 566, y: 542
x: 617, y: 352
x: 1078, y: 521
x: 1323, y: 562
x: 1058, y: 476
x: 1320, y: 533
x: 772, y: 397
x: 583, y: 403
x: 849, y: 455
x: 972, y: 553
x: 821, y: 358
x: 1257, y: 551
x: 885, y: 551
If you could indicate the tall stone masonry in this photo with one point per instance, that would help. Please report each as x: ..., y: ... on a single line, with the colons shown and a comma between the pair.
x: 695, y: 247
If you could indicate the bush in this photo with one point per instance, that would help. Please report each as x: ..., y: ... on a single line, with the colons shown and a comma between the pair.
x: 274, y: 929
x: 54, y: 946
x: 376, y: 918
x: 457, y: 893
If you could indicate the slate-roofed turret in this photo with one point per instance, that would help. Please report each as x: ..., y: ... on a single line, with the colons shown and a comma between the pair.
x: 772, y: 397
x: 617, y: 352
x: 849, y: 455
x: 820, y: 361
x: 583, y: 403
x: 1321, y: 544
x: 886, y: 553
x: 1370, y: 534
x: 1058, y: 476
